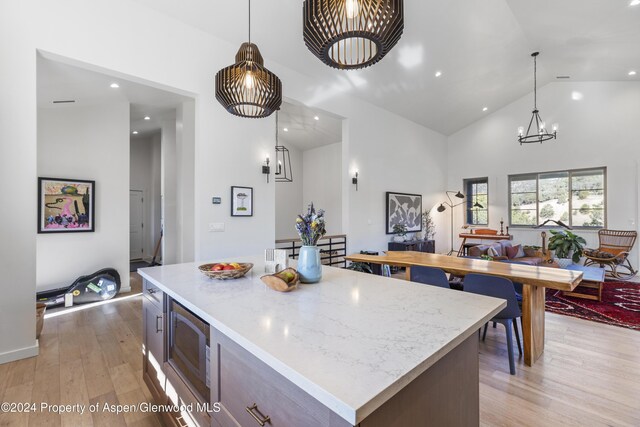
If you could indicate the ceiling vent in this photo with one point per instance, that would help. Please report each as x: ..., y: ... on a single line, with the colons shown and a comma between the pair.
x: 66, y: 101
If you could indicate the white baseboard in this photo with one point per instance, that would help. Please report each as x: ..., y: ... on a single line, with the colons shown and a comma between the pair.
x: 21, y: 353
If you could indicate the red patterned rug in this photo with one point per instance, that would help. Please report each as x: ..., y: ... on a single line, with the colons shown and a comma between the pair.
x: 620, y: 305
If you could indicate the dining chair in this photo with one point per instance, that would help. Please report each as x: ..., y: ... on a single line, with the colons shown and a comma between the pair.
x: 516, y: 285
x: 499, y: 287
x: 429, y: 276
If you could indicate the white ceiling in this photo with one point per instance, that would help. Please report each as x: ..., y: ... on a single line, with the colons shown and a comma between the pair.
x: 482, y: 48
x: 58, y: 81
x: 304, y: 131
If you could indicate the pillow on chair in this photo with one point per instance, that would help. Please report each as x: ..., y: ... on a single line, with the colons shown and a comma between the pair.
x: 492, y: 252
x: 515, y: 251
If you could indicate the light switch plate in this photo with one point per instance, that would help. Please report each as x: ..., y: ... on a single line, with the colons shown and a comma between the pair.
x: 216, y: 227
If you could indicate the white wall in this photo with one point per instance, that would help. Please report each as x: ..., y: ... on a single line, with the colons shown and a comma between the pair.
x: 18, y: 130
x: 393, y: 153
x: 601, y: 129
x: 322, y: 183
x: 169, y: 191
x: 288, y: 196
x: 86, y: 143
x: 185, y: 175
x: 145, y: 176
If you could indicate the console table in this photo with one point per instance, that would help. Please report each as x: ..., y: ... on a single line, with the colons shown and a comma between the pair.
x: 428, y: 246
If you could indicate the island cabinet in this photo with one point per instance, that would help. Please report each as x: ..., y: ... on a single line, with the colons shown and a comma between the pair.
x: 250, y: 393
x: 153, y: 340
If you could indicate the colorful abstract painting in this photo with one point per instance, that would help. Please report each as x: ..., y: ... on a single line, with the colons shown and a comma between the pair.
x: 65, y: 205
x: 404, y: 209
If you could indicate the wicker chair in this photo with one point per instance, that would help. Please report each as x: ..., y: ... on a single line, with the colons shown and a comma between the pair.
x: 613, y: 252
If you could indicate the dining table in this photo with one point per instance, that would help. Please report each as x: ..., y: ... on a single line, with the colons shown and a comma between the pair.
x: 534, y: 280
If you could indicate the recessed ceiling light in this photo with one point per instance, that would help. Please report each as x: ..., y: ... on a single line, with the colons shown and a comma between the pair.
x: 114, y: 86
x: 316, y: 118
x: 634, y: 2
x: 485, y: 108
x: 632, y: 72
x: 135, y: 132
x: 147, y: 118
x: 286, y: 129
x: 576, y: 96
x: 438, y: 73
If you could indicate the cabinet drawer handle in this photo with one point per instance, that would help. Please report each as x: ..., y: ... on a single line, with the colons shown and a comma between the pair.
x: 151, y: 291
x: 158, y: 328
x: 260, y: 418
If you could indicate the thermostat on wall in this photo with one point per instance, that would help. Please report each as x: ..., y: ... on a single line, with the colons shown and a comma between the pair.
x: 217, y: 200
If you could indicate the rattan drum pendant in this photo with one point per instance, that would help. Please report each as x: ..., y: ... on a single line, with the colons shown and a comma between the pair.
x: 247, y: 88
x: 352, y: 34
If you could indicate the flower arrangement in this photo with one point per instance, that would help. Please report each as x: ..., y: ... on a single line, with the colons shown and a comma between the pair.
x: 311, y: 227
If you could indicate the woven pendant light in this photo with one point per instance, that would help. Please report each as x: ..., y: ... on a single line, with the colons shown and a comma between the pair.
x: 352, y: 34
x: 247, y: 88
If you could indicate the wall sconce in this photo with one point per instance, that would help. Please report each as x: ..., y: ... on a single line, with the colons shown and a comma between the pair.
x: 266, y: 169
x: 354, y: 180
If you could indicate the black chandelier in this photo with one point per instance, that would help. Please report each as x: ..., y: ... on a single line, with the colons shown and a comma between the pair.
x: 539, y: 132
x: 247, y: 88
x: 352, y: 34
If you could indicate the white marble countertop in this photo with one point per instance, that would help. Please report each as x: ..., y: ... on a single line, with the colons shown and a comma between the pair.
x: 351, y: 341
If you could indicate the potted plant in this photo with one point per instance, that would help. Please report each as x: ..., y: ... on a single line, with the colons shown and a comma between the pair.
x: 400, y: 232
x: 428, y: 226
x: 362, y: 267
x: 311, y: 228
x: 567, y: 246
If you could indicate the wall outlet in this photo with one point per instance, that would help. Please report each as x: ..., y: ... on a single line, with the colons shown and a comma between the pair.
x: 216, y: 227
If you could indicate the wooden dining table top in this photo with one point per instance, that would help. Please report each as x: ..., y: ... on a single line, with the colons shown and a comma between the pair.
x: 554, y: 278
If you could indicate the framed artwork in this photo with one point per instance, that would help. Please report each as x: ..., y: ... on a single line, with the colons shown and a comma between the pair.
x: 66, y: 205
x: 241, y: 201
x: 404, y: 209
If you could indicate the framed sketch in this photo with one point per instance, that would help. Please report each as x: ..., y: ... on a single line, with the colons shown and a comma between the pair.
x: 404, y: 209
x: 66, y: 205
x: 241, y: 201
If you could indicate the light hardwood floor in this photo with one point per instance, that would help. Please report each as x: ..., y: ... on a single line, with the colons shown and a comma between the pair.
x: 589, y: 374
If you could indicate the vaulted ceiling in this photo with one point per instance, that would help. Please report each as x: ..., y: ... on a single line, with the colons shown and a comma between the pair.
x: 481, y: 47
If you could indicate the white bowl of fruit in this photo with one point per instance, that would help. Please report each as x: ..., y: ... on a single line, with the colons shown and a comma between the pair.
x: 225, y: 270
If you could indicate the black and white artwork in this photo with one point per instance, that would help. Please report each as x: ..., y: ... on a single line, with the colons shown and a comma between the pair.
x: 405, y: 209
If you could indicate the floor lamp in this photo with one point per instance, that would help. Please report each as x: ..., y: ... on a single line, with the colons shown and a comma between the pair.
x: 452, y: 205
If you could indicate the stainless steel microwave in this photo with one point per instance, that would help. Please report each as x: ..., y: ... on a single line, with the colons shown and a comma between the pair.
x: 189, y: 349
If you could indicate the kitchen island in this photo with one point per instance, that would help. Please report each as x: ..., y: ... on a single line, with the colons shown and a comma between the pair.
x: 354, y: 349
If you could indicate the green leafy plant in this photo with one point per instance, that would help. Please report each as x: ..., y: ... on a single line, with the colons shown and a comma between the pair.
x: 564, y: 242
x: 400, y: 230
x: 486, y: 257
x: 362, y: 267
x: 428, y: 225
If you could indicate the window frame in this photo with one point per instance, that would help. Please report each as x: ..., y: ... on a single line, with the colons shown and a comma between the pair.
x: 465, y: 185
x: 570, y: 173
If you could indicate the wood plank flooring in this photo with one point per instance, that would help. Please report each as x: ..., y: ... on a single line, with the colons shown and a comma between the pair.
x: 589, y: 374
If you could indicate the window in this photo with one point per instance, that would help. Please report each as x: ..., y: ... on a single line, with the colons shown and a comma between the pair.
x: 477, y: 192
x: 575, y: 197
